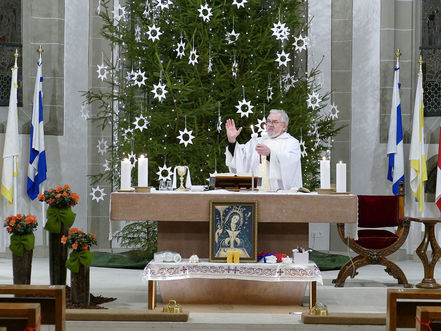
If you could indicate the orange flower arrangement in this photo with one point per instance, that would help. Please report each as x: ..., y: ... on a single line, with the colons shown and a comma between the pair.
x: 78, y: 240
x: 21, y: 224
x: 60, y: 197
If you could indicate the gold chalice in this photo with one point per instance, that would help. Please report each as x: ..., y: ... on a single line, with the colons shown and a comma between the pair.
x: 182, y: 170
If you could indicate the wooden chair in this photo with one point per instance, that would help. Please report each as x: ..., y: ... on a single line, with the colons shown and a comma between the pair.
x: 373, y: 244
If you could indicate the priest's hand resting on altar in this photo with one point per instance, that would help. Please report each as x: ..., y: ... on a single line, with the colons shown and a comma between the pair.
x: 232, y: 132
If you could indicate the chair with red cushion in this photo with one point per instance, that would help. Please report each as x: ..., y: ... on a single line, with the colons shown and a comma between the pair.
x: 374, y: 244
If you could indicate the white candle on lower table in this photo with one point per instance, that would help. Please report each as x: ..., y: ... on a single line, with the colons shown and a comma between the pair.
x: 143, y: 171
x: 126, y: 168
x: 340, y: 177
x: 325, y: 174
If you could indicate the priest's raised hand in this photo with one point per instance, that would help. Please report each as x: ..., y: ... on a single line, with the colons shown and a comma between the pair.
x: 232, y: 132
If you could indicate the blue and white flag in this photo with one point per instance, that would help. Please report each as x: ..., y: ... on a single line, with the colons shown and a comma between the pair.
x: 395, y: 144
x: 37, y: 158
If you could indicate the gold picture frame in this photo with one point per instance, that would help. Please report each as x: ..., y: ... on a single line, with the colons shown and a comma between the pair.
x: 233, y: 227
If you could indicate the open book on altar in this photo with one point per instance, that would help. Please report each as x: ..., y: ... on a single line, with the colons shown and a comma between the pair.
x: 234, y: 182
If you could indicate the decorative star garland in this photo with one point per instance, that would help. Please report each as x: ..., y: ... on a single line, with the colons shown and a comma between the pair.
x: 102, y: 71
x: 269, y: 94
x: 313, y: 100
x: 333, y: 111
x: 159, y: 91
x: 244, y: 103
x: 280, y: 31
x: 138, y: 34
x: 100, y: 196
x: 84, y: 111
x: 132, y: 159
x: 260, y: 124
x: 231, y: 37
x: 139, y: 78
x: 128, y: 134
x: 106, y: 165
x: 205, y: 12
x: 234, y: 68
x: 102, y: 146
x: 282, y: 58
x: 303, y: 148
x: 300, y: 43
x: 116, y: 13
x: 164, y: 4
x: 182, y: 134
x: 180, y: 49
x: 166, y: 169
x: 154, y: 33
x: 144, y: 123
x: 240, y: 3
x: 193, y: 57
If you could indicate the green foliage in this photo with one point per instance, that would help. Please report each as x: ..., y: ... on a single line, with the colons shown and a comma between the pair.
x: 140, y: 235
x: 194, y: 95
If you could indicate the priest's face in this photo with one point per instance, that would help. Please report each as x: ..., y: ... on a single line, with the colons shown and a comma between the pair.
x: 274, y: 125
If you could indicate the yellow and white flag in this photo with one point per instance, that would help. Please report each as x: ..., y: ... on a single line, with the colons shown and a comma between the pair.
x: 418, y: 168
x: 11, y: 148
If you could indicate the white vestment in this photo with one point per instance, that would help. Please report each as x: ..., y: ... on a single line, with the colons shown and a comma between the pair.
x: 284, y: 168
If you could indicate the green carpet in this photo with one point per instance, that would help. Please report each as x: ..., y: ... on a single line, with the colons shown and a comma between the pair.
x: 139, y: 259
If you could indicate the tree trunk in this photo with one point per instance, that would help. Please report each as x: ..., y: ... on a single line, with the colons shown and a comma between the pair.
x: 57, y: 257
x: 80, y: 290
x: 21, y: 267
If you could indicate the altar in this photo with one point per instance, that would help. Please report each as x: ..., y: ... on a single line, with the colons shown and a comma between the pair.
x: 283, y: 217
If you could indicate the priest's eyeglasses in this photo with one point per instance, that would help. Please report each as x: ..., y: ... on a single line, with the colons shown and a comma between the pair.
x: 273, y: 122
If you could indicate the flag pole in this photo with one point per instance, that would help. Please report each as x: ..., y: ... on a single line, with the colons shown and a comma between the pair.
x: 15, y: 162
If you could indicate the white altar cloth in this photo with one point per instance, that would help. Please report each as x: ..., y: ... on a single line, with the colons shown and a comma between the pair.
x: 277, y: 272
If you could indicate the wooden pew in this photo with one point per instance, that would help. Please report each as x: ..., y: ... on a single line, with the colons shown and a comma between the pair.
x: 52, y: 299
x: 402, y: 306
x: 19, y: 316
x: 428, y: 314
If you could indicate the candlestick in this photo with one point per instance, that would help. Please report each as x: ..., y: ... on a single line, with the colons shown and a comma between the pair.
x: 340, y: 177
x: 126, y: 168
x: 252, y: 128
x: 325, y: 174
x: 143, y: 173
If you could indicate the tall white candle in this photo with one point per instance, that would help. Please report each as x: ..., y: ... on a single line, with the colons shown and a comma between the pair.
x: 325, y: 174
x: 341, y: 177
x: 143, y: 171
x: 126, y: 168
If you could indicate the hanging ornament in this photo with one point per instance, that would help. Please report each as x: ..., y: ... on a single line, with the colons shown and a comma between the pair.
x: 106, y: 165
x: 234, y: 67
x: 97, y: 194
x: 240, y: 3
x: 269, y: 94
x: 280, y: 31
x: 244, y: 104
x: 147, y: 10
x: 232, y: 36
x: 193, y: 58
x: 118, y: 13
x: 181, y: 137
x: 139, y: 78
x: 283, y: 58
x: 102, y: 71
x: 317, y: 139
x: 210, y: 64
x: 313, y: 100
x: 138, y: 34
x: 300, y: 43
x: 132, y: 159
x: 333, y: 112
x: 141, y: 123
x: 84, y: 111
x: 260, y: 124
x: 128, y: 134
x: 131, y: 76
x: 219, y: 119
x: 166, y: 169
x: 180, y: 49
x: 102, y: 146
x: 154, y: 32
x: 163, y: 4
x: 159, y: 91
x: 303, y: 148
x: 205, y: 12
x: 98, y: 8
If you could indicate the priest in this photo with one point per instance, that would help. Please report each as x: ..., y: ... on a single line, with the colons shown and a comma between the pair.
x: 275, y: 155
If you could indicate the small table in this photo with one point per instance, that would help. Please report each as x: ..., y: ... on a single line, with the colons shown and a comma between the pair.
x: 277, y: 272
x: 428, y: 281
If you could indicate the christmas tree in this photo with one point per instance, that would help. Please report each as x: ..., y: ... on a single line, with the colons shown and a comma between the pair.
x: 184, y: 67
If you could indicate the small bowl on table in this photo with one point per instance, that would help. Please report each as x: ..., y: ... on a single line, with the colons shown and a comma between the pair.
x: 197, y: 188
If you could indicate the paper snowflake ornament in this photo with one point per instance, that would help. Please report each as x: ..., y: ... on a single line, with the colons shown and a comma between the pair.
x: 333, y: 112
x: 205, y: 12
x: 98, y: 8
x: 106, y: 165
x: 98, y: 194
x: 193, y: 57
x: 138, y: 34
x: 164, y: 4
x: 139, y: 78
x: 317, y: 139
x: 130, y: 75
x: 182, y: 134
x: 280, y: 31
x: 163, y: 169
x: 102, y: 146
x: 84, y: 111
x: 102, y: 71
x: 210, y: 64
x: 260, y: 125
x: 132, y: 159
x: 240, y: 3
x: 141, y: 123
x: 234, y: 68
x: 282, y: 58
x: 180, y: 49
x: 303, y: 152
x: 313, y: 100
x: 231, y: 37
x: 154, y: 33
x: 128, y: 134
x: 269, y: 94
x: 119, y: 13
x: 219, y: 124
x: 300, y: 43
x: 244, y: 104
x: 159, y: 91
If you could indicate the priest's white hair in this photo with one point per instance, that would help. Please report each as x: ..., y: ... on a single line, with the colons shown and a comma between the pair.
x: 285, y: 118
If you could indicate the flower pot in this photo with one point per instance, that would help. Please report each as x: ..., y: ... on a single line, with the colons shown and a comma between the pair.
x: 57, y: 257
x: 21, y: 267
x: 80, y: 289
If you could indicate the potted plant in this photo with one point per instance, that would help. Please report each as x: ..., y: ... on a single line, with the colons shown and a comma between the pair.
x: 22, y: 229
x: 79, y: 262
x: 60, y: 218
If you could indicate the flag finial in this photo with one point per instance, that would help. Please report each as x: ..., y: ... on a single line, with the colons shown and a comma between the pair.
x: 398, y: 54
x: 16, y: 54
x: 420, y: 62
x: 40, y: 50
